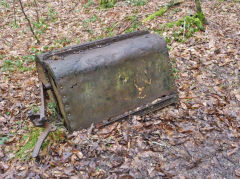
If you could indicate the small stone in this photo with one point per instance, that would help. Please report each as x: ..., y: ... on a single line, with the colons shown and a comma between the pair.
x: 1, y: 153
x: 79, y: 155
x: 237, y: 172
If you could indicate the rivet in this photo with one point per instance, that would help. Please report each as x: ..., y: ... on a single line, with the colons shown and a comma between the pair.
x: 64, y: 100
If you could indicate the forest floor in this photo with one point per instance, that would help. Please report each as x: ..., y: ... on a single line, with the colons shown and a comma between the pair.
x: 197, y: 138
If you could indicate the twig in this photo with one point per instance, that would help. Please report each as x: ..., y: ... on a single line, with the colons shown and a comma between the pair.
x: 125, y: 28
x: 184, y: 27
x: 36, y: 8
x: 29, y: 22
x: 14, y: 10
x: 75, y: 5
x: 187, y: 152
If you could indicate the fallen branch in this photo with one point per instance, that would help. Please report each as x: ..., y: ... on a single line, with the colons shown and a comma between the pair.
x: 29, y: 22
x: 75, y: 5
x: 127, y: 26
x: 36, y: 9
x: 158, y: 13
x: 162, y: 10
x: 14, y: 10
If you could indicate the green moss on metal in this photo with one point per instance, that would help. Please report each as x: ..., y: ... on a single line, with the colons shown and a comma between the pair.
x: 123, y: 77
x: 88, y: 88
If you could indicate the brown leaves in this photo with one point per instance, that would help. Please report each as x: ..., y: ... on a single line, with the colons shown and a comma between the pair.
x: 107, y: 131
x: 197, y: 138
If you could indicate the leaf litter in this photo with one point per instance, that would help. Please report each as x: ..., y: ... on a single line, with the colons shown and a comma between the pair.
x: 199, y: 137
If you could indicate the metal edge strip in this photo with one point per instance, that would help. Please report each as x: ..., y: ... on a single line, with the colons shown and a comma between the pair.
x: 90, y: 45
x: 145, y: 109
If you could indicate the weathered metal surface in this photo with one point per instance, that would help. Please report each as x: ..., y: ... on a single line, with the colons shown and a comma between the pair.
x: 110, y: 78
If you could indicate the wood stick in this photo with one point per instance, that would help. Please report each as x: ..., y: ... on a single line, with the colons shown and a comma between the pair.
x: 29, y: 22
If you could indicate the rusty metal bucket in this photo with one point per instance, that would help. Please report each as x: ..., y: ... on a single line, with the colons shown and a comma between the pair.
x: 109, y: 79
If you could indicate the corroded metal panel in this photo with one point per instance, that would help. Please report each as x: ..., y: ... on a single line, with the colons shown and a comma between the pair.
x: 110, y: 78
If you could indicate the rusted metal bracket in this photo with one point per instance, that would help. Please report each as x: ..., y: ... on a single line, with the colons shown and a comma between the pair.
x: 39, y: 120
x: 143, y: 110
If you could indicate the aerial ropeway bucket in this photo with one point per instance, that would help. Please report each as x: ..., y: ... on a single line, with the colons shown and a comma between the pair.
x: 107, y: 80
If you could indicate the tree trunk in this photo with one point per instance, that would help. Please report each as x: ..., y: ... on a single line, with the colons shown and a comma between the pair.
x: 198, y: 6
x: 200, y: 13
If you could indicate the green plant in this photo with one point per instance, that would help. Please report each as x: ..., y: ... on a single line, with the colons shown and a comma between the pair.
x: 77, y: 41
x: 40, y: 26
x: 4, y: 4
x: 14, y: 24
x: 158, y: 13
x: 34, y: 50
x: 138, y: 2
x: 29, y: 141
x: 175, y: 73
x: 174, y: 68
x: 25, y: 127
x: 86, y: 27
x: 107, y: 3
x: 189, y: 25
x: 158, y: 31
x: 88, y: 4
x: 94, y: 18
x: 135, y: 24
x: 35, y: 109
x: 109, y: 31
x: 56, y: 136
x: 63, y: 41
x: 170, y: 24
x: 183, y: 28
x: 51, y: 15
x: 12, y: 65
x: 29, y: 58
x: 99, y: 37
x: 32, y: 137
x: 18, y: 64
x: 2, y: 56
x: 52, y: 106
x: 162, y: 10
x: 3, y: 139
x: 90, y: 31
x: 175, y: 10
x: 46, y: 47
